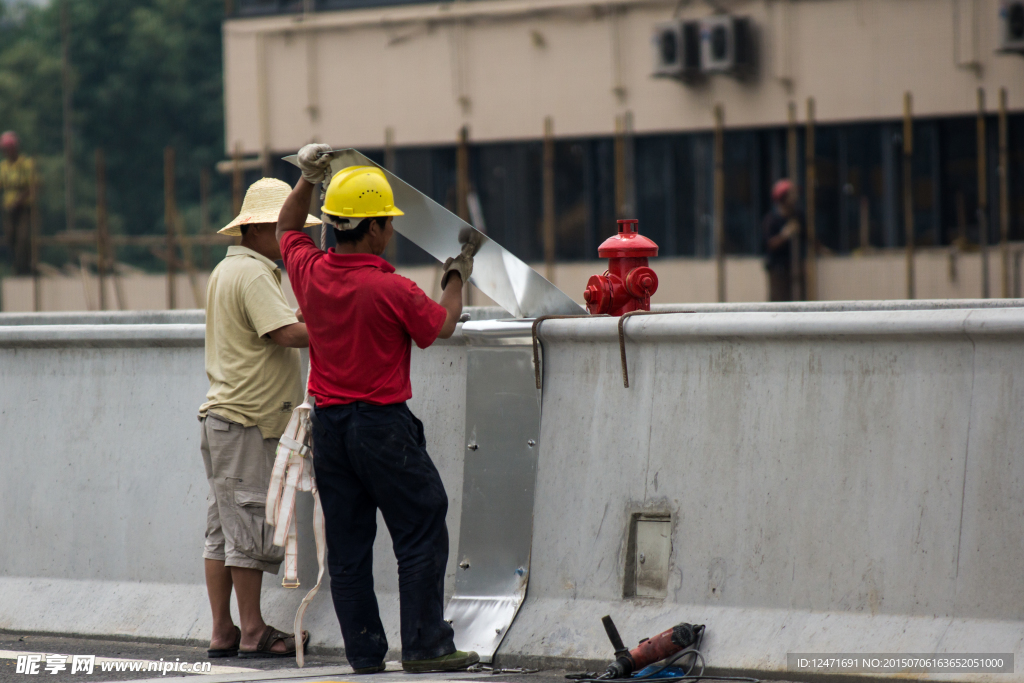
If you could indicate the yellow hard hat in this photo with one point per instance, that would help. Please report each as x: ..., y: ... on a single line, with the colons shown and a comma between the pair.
x: 360, y: 192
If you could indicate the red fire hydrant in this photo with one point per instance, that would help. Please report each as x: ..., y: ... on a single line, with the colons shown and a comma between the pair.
x: 628, y: 283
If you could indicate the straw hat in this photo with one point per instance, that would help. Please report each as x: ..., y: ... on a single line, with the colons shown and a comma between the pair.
x: 262, y: 203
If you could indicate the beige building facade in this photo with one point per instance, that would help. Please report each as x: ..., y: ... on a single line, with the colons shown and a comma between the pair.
x: 502, y: 66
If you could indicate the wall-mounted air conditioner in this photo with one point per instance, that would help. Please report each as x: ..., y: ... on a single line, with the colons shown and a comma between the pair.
x: 676, y: 49
x: 1011, y: 20
x: 726, y: 45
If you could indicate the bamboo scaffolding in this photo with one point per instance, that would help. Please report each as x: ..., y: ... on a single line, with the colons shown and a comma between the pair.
x: 908, y: 190
x: 548, y: 180
x: 462, y: 189
x: 1004, y: 194
x: 812, y: 237
x: 102, y: 257
x: 796, y: 269
x: 982, y: 195
x: 34, y: 241
x: 171, y: 220
x: 719, y: 191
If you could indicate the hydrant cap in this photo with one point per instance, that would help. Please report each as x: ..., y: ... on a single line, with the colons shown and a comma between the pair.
x: 629, y: 243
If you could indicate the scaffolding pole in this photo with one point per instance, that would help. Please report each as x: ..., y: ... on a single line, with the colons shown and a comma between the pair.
x: 237, y: 180
x: 795, y: 263
x: 204, y: 213
x: 791, y: 144
x: 462, y: 189
x: 982, y: 195
x: 171, y: 219
x: 102, y: 257
x: 720, y: 202
x: 548, y: 180
x: 1004, y: 194
x: 391, y: 252
x: 66, y: 85
x: 37, y: 294
x: 812, y: 237
x: 620, y: 167
x: 908, y: 190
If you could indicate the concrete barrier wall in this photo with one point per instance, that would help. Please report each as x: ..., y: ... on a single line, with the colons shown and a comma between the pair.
x: 103, y: 498
x: 837, y: 481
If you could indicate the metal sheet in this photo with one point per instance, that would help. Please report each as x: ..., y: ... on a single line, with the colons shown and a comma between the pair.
x: 499, y: 476
x: 512, y: 284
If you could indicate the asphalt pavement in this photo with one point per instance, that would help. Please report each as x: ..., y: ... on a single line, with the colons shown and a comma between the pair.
x: 114, y: 658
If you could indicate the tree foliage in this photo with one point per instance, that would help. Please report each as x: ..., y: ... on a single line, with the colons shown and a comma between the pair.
x: 146, y: 74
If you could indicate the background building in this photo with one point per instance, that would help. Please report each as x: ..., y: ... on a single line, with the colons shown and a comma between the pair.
x: 361, y: 74
x: 627, y: 117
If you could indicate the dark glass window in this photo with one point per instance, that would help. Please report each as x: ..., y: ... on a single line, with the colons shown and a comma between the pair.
x: 859, y: 188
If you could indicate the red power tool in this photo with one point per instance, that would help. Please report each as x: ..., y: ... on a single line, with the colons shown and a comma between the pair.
x: 650, y: 650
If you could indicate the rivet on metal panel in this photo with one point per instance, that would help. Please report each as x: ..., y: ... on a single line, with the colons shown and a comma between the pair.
x: 520, y: 571
x: 473, y: 447
x: 464, y: 564
x: 531, y: 443
x: 497, y: 630
x: 642, y: 558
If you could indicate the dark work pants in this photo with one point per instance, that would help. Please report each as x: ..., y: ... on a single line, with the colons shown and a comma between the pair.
x: 19, y: 238
x: 368, y: 457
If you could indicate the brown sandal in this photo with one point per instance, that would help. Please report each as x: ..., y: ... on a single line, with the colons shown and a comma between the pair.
x: 215, y: 653
x: 270, y: 636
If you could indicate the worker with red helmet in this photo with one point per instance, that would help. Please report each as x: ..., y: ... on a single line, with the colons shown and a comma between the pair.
x: 16, y: 182
x: 784, y: 244
x: 369, y: 450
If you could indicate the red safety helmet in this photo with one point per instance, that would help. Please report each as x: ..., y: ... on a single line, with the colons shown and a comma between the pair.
x: 9, y: 139
x: 781, y: 189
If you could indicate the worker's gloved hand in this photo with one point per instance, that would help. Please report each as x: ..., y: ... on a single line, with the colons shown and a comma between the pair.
x: 461, y: 264
x: 314, y: 161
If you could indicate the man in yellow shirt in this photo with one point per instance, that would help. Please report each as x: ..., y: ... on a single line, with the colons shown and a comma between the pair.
x: 252, y: 362
x: 16, y: 172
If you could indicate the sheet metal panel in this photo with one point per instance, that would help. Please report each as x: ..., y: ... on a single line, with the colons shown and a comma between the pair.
x: 499, y: 476
x: 509, y: 282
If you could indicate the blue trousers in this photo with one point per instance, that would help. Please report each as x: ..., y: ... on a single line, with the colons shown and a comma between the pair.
x: 366, y: 458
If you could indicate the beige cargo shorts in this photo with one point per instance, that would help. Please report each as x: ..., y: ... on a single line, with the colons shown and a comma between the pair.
x: 238, y: 463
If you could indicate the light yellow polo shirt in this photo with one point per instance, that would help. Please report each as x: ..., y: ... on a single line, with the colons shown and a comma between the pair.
x: 15, y: 180
x: 253, y: 381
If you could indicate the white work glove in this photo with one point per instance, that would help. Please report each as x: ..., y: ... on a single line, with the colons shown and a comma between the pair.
x: 314, y: 162
x: 461, y: 264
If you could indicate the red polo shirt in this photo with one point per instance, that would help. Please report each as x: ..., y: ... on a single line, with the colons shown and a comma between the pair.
x: 362, y: 320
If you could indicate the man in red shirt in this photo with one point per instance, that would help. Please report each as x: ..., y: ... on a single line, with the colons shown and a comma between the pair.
x: 369, y: 449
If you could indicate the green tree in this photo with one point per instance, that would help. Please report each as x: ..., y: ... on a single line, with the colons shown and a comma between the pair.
x: 146, y: 74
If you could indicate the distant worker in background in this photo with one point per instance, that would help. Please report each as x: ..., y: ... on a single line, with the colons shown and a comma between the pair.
x: 16, y: 171
x: 784, y: 243
x: 369, y: 450
x: 252, y: 362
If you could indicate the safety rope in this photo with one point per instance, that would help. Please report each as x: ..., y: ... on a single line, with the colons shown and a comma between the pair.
x: 293, y: 472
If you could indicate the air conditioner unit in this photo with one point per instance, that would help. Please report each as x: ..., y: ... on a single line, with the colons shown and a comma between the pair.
x: 676, y: 49
x: 1011, y: 19
x: 726, y: 45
